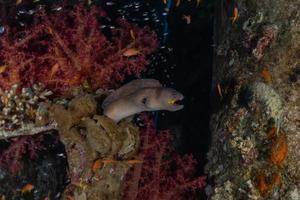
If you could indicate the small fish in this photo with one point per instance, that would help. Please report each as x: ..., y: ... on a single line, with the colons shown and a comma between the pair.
x: 164, y: 1
x: 30, y: 12
x: 54, y: 69
x: 97, y: 165
x: 50, y: 30
x: 3, y: 68
x: 134, y: 161
x: 187, y: 18
x: 131, y: 52
x: 219, y: 90
x: 110, y: 3
x: 2, y: 29
x: 105, y: 162
x: 235, y: 14
x: 132, y: 34
x: 18, y: 2
x: 198, y: 3
x: 27, y: 188
x: 177, y: 3
x: 266, y: 75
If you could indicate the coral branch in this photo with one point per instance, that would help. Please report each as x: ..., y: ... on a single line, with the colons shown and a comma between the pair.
x: 164, y: 174
x: 71, y: 39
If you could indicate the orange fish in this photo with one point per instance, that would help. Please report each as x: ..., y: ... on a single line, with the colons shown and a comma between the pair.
x: 235, y: 14
x: 27, y: 188
x: 131, y: 52
x: 105, y: 162
x: 266, y: 75
x: 132, y: 34
x: 18, y: 2
x: 187, y: 18
x: 54, y: 69
x: 134, y: 161
x: 3, y: 68
x: 50, y: 30
x: 97, y: 165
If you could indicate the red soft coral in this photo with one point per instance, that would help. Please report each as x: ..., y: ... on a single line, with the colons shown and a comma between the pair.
x: 11, y: 157
x: 164, y: 174
x: 65, y: 49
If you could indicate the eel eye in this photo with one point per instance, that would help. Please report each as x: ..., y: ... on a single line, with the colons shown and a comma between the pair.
x: 144, y: 100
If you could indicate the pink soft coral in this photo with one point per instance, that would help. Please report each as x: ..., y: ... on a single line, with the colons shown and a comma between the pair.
x: 65, y: 49
x: 164, y: 174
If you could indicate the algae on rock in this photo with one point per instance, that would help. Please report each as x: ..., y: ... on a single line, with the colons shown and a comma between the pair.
x: 88, y: 136
x: 255, y: 126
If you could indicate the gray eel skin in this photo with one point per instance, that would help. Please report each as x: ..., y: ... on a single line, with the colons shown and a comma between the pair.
x: 138, y: 96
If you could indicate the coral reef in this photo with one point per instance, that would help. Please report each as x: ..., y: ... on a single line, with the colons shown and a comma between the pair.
x: 62, y: 51
x: 50, y: 72
x: 12, y: 157
x: 66, y: 49
x: 163, y: 174
x: 255, y: 124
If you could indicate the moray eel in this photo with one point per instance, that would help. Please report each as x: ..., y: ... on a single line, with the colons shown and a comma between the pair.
x: 138, y: 96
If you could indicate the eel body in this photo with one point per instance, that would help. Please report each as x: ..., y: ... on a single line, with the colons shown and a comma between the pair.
x: 138, y: 96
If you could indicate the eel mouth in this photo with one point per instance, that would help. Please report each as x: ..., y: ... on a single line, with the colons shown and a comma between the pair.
x: 176, y: 104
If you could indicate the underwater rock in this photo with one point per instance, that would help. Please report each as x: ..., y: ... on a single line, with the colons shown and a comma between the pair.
x: 88, y: 136
x: 255, y: 143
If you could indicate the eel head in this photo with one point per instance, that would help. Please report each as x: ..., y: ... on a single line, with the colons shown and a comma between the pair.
x: 161, y: 99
